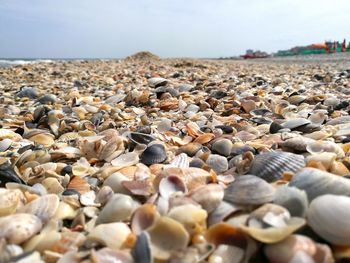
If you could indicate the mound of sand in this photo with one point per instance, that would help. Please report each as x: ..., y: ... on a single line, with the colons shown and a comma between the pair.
x: 143, y: 56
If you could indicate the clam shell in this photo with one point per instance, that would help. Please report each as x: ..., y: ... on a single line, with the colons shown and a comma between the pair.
x: 140, y: 138
x: 191, y: 148
x: 171, y: 185
x: 110, y: 255
x: 43, y: 207
x: 249, y: 190
x: 119, y: 208
x: 208, y: 196
x: 160, y: 232
x: 9, y: 201
x: 154, y: 153
x: 295, y: 123
x: 114, y: 181
x: 18, y: 228
x: 271, y: 165
x: 292, y: 198
x: 328, y: 216
x: 316, y: 182
x: 218, y: 163
x: 113, y: 235
x: 156, y: 82
x: 143, y: 218
x: 222, y: 147
x: 141, y: 252
x: 127, y: 159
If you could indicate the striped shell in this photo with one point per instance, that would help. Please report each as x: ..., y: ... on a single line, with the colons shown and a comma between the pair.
x: 153, y: 154
x: 270, y: 166
x: 316, y: 183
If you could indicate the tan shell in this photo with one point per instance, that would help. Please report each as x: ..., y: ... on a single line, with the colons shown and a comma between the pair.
x: 113, y: 235
x: 18, y: 228
x: 9, y: 200
x: 208, y: 196
x: 143, y: 218
x: 160, y: 232
x: 44, y: 207
x: 119, y: 208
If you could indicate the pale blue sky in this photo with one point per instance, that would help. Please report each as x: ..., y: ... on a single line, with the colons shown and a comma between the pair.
x: 177, y: 28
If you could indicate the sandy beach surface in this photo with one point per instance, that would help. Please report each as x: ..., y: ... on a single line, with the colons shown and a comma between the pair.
x: 175, y: 160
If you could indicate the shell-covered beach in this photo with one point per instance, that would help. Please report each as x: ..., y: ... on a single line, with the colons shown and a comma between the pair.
x: 175, y: 160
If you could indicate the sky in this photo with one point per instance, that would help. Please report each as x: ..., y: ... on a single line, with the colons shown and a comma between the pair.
x: 168, y: 28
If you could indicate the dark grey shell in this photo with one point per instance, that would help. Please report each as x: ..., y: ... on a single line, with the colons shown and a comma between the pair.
x: 141, y: 252
x: 28, y: 92
x: 47, y: 99
x: 293, y: 199
x: 140, y: 138
x: 154, y: 153
x: 249, y: 190
x: 316, y: 182
x: 271, y: 165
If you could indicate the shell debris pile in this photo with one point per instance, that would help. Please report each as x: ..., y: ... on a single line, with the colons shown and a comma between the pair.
x: 149, y: 160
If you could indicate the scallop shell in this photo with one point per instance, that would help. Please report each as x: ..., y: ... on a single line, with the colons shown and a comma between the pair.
x: 154, y: 153
x: 328, y: 216
x: 18, y: 228
x: 249, y: 190
x: 180, y: 161
x: 43, y: 207
x: 271, y: 165
x: 160, y: 232
x: 316, y: 182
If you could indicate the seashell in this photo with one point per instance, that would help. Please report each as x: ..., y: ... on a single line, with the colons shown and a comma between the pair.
x: 140, y: 187
x: 288, y: 249
x: 171, y: 185
x: 223, y: 211
x: 318, y: 118
x: 45, y: 240
x: 160, y: 232
x: 227, y: 254
x: 297, y: 99
x: 104, y: 195
x: 249, y: 190
x: 226, y: 234
x: 298, y: 143
x: 271, y: 165
x: 142, y: 252
x: 156, y: 82
x: 164, y: 125
x: 9, y: 201
x: 222, y: 147
x: 295, y: 123
x: 180, y: 161
x: 192, y: 217
x: 316, y: 182
x: 43, y: 207
x: 19, y: 227
x: 325, y: 158
x: 107, y: 255
x: 324, y: 146
x: 320, y: 217
x: 127, y: 159
x: 204, y: 138
x: 119, y: 208
x: 28, y: 92
x: 143, y: 217
x: 260, y: 112
x: 190, y: 149
x: 65, y: 211
x: 217, y: 162
x: 79, y: 184
x: 52, y: 185
x: 339, y: 168
x: 154, y: 153
x: 208, y: 196
x: 248, y: 105
x: 112, y: 235
x: 5, y: 144
x: 114, y: 181
x: 47, y: 99
x: 271, y: 223
x: 293, y: 199
x: 339, y: 120
x: 140, y: 138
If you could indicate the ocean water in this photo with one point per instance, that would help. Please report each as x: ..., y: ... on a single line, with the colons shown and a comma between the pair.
x: 5, y: 62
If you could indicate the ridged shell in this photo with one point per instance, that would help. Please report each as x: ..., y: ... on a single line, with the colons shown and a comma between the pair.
x: 328, y: 216
x: 249, y: 190
x: 208, y: 196
x: 142, y: 252
x: 316, y: 182
x: 154, y: 153
x: 218, y: 163
x: 271, y: 165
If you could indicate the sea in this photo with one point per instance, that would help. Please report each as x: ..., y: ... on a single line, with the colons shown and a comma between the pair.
x: 6, y: 62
